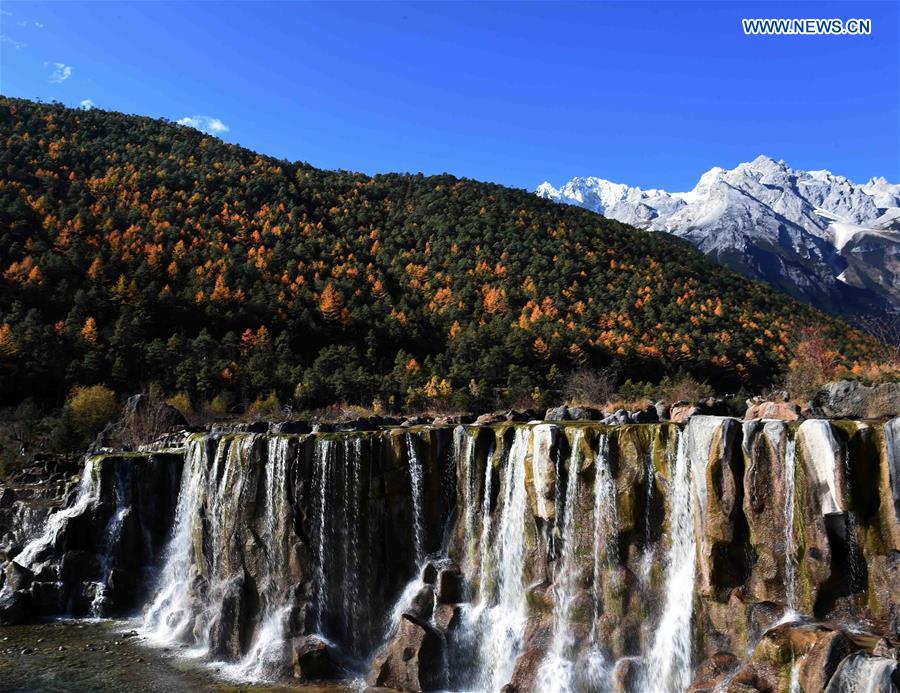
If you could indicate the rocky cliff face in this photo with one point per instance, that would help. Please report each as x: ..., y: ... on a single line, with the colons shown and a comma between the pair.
x: 760, y: 555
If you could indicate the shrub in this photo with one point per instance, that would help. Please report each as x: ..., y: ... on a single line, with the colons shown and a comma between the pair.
x: 182, y: 402
x: 267, y: 407
x: 591, y: 387
x: 91, y: 408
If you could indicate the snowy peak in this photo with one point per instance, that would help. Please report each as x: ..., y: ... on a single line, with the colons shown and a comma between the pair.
x: 805, y: 231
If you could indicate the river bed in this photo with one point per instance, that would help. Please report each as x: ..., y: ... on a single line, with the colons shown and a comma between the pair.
x: 101, y: 656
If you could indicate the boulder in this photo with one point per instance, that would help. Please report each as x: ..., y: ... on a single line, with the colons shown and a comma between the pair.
x: 619, y: 418
x: 429, y: 573
x: 850, y: 399
x: 450, y: 588
x: 293, y: 427
x: 823, y: 659
x: 422, y: 604
x: 312, y: 659
x: 412, y: 661
x: 645, y: 416
x: 784, y: 411
x: 14, y: 607
x: 557, y: 414
x: 489, y: 419
x: 662, y: 410
x: 584, y: 414
x: 7, y: 498
x: 628, y: 675
x: 681, y: 411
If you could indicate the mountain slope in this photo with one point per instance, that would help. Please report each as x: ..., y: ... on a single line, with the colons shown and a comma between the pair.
x: 135, y: 250
x: 814, y: 235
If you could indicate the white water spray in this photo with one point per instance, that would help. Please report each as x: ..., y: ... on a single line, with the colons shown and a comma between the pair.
x: 669, y: 665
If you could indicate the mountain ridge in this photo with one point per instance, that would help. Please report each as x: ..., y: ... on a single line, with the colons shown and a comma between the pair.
x: 817, y: 236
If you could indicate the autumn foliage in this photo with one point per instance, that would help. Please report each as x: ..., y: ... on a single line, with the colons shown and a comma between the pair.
x: 134, y: 250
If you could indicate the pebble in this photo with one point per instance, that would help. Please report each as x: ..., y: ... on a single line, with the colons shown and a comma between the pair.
x: 61, y: 648
x: 27, y: 651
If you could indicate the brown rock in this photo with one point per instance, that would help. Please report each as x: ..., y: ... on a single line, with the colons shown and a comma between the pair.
x: 680, y: 412
x: 412, y: 661
x: 312, y: 659
x: 784, y: 411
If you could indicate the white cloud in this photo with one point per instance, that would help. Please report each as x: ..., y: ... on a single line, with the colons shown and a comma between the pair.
x: 205, y: 123
x: 87, y: 104
x: 38, y: 25
x: 11, y: 41
x: 60, y: 73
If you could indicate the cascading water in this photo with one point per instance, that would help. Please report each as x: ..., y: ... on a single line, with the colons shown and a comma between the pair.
x: 266, y: 657
x: 669, y: 660
x: 170, y: 615
x: 606, y: 558
x: 501, y: 622
x: 790, y: 549
x: 557, y: 670
x: 464, y: 453
x: 415, y: 479
x: 87, y: 495
x: 321, y: 468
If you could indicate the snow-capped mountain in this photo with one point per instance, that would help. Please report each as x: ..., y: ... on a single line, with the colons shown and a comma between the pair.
x: 815, y: 235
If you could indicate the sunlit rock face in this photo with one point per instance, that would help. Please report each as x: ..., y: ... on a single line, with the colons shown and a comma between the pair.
x: 531, y: 557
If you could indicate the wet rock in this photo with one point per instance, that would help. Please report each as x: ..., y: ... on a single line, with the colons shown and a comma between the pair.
x: 79, y: 566
x: 312, y: 659
x: 447, y: 618
x: 14, y: 607
x: 412, y: 661
x: 7, y: 497
x: 429, y: 573
x: 823, y: 659
x: 422, y: 604
x: 17, y: 577
x: 628, y: 675
x: 525, y: 673
x: 450, y: 586
x: 850, y: 399
x: 784, y: 411
x: 713, y: 671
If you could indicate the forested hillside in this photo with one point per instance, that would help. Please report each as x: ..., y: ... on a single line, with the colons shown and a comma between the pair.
x: 135, y: 251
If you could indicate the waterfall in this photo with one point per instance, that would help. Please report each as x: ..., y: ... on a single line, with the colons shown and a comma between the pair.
x: 485, y: 579
x: 501, y: 622
x: 415, y: 480
x: 351, y: 556
x: 464, y: 453
x: 558, y: 667
x: 669, y: 665
x: 863, y: 673
x: 87, y: 495
x: 790, y: 549
x: 321, y: 464
x: 170, y: 615
x: 606, y: 557
x: 265, y: 660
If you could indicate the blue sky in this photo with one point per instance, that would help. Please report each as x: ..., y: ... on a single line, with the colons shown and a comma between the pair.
x: 650, y: 94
